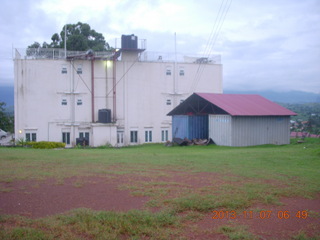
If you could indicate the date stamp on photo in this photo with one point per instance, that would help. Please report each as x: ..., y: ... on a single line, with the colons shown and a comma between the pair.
x: 222, y: 214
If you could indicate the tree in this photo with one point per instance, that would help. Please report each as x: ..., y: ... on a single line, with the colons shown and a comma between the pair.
x: 6, y: 120
x: 80, y: 37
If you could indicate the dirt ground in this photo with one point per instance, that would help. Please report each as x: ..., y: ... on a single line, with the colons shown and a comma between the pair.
x: 36, y: 199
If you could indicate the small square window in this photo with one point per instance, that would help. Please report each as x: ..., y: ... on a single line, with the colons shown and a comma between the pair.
x: 168, y: 101
x: 64, y: 102
x: 64, y: 69
x: 79, y: 69
x: 181, y: 72
x: 168, y: 72
x: 79, y: 102
x: 85, y: 135
x: 31, y: 137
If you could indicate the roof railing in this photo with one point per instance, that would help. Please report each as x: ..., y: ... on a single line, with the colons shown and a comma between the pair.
x: 58, y: 53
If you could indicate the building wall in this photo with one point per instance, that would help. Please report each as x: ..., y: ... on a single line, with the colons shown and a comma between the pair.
x: 191, y: 127
x: 147, y: 93
x: 248, y: 131
x: 220, y: 127
x: 50, y: 101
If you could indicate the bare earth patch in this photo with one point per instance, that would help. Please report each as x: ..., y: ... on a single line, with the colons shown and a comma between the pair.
x: 35, y: 199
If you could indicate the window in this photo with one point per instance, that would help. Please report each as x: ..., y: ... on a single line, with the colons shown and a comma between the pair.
x: 181, y: 72
x: 79, y: 102
x: 79, y: 69
x: 31, y: 137
x: 84, y: 135
x: 164, y: 135
x: 133, y: 136
x: 181, y: 100
x: 168, y: 101
x: 64, y: 69
x: 168, y: 72
x: 66, y: 137
x: 64, y: 102
x: 120, y: 137
x: 148, y: 136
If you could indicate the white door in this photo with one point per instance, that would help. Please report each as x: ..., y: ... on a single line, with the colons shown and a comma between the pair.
x: 120, y: 139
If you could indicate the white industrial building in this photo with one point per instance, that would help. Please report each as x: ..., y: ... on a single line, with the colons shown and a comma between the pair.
x: 118, y: 98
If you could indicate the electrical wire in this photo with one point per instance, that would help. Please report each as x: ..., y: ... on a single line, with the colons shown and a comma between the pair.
x: 72, y: 64
x: 223, y: 10
x: 135, y: 61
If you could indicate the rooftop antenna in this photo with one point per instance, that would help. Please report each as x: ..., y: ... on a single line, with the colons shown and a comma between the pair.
x: 175, y: 62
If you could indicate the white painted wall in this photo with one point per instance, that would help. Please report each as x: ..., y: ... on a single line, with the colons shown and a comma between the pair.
x: 143, y: 90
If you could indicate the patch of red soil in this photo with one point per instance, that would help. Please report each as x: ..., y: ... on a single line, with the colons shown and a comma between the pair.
x: 36, y: 199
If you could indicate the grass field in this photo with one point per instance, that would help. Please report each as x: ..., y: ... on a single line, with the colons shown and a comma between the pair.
x: 244, y: 177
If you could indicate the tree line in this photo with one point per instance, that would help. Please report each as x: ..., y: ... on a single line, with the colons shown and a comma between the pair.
x: 6, y: 119
x: 80, y: 37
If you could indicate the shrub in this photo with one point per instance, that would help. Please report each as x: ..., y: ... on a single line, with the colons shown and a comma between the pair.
x: 45, y: 145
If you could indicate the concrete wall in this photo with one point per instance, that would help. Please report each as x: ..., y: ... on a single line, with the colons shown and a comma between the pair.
x: 104, y: 134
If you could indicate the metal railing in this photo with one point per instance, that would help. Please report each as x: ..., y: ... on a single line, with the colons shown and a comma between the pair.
x: 57, y: 53
x: 52, y: 53
x: 179, y: 57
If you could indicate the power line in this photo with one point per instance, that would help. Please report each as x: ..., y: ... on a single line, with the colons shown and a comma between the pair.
x: 223, y: 10
x: 72, y: 64
x: 135, y: 61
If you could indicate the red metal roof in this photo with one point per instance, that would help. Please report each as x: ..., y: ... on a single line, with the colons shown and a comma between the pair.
x: 246, y: 105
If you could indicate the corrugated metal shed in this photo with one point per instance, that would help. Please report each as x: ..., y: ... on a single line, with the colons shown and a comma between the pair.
x: 233, y: 119
x: 239, y: 131
x: 258, y: 130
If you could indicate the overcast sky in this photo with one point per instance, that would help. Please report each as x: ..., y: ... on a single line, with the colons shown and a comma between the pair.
x: 264, y: 44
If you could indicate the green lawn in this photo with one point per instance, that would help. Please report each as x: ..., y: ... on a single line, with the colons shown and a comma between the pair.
x: 260, y: 174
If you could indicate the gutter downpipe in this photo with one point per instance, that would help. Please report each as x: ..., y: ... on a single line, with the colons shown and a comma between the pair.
x: 73, y: 106
x: 92, y: 88
x: 114, y: 89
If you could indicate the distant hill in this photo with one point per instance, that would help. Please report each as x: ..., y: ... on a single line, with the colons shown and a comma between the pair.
x: 283, y: 97
x: 7, y: 95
